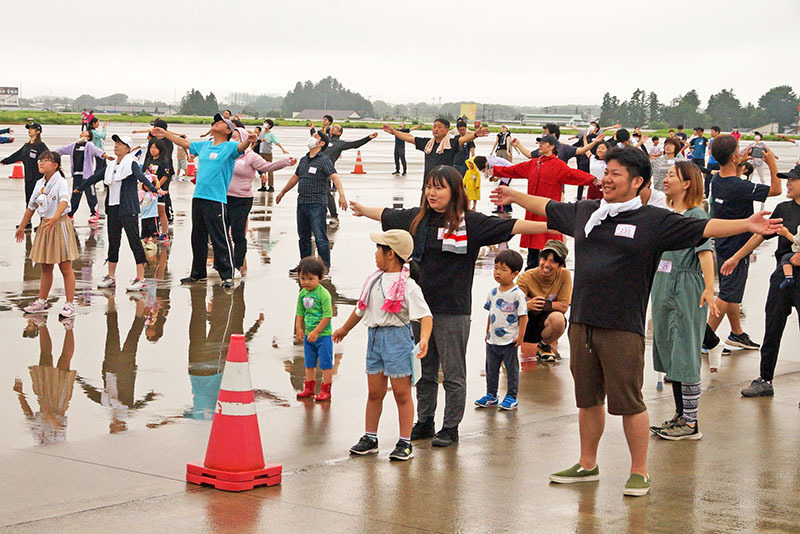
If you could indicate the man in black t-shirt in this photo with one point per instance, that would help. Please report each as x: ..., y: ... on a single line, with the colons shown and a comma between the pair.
x: 465, y: 151
x: 732, y: 198
x: 400, y: 148
x: 618, y: 246
x: 779, y: 301
x: 435, y: 154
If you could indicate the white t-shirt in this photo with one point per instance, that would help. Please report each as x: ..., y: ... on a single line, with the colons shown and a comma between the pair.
x: 414, y: 305
x: 656, y: 150
x: 597, y: 167
x: 505, y: 309
x: 657, y: 199
x: 46, y: 197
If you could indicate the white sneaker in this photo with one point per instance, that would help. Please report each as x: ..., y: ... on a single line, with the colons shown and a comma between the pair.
x: 107, y: 281
x: 237, y: 274
x: 136, y: 285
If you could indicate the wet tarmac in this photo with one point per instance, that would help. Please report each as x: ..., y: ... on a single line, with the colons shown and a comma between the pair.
x: 99, y: 420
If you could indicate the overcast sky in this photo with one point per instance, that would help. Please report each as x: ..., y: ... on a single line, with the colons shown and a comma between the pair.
x: 513, y: 52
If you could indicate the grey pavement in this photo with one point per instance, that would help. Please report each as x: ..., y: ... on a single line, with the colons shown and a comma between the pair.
x: 140, y: 411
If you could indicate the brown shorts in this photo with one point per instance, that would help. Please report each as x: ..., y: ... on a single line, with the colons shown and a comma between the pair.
x: 607, y: 362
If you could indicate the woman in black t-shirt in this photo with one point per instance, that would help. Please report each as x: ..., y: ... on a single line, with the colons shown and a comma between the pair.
x: 447, y: 240
x: 28, y: 155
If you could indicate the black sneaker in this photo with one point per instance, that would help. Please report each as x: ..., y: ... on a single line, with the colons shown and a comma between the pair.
x: 294, y: 270
x: 402, y: 451
x: 366, y: 445
x: 396, y: 172
x: 445, y: 437
x: 404, y: 173
x: 263, y: 189
x: 192, y: 280
x: 423, y: 429
x: 270, y: 189
x: 726, y: 351
x: 742, y: 340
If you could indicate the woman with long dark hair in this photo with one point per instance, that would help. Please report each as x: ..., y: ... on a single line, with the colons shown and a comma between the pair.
x: 447, y: 240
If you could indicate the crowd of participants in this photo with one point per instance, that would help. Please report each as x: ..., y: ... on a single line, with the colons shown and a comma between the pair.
x: 644, y: 235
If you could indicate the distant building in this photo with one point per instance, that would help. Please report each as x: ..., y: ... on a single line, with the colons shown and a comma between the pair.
x: 317, y: 114
x: 769, y: 128
x: 562, y: 119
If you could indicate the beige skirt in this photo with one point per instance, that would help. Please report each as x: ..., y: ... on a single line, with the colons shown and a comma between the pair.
x: 57, y: 245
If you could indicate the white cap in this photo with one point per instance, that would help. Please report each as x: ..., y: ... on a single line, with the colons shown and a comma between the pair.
x: 124, y: 139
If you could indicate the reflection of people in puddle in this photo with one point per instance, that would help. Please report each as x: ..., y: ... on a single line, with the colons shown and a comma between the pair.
x: 119, y: 370
x: 52, y: 385
x: 208, y: 348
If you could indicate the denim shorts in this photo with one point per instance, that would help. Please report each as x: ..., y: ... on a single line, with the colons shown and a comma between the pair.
x: 389, y: 350
x: 321, y: 349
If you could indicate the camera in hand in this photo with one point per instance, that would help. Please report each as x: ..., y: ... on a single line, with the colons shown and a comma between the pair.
x: 757, y: 152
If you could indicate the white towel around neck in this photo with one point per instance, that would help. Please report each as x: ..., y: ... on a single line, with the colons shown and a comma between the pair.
x: 119, y: 170
x: 610, y: 209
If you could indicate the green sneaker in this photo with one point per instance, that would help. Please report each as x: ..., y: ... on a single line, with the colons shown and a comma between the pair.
x: 637, y: 485
x: 576, y: 473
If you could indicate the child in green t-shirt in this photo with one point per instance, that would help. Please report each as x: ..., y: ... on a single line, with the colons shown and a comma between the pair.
x: 312, y: 327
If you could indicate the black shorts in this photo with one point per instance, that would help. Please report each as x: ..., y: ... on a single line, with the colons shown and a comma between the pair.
x: 533, y: 332
x: 149, y: 227
x: 731, y: 287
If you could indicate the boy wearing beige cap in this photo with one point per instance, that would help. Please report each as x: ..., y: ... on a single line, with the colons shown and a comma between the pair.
x: 389, y: 300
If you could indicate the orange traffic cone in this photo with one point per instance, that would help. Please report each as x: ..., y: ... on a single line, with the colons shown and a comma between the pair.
x: 359, y: 167
x: 234, y: 459
x: 16, y: 172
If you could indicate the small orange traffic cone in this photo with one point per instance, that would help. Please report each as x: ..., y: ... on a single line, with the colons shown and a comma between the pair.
x: 359, y: 166
x: 234, y: 459
x: 16, y: 172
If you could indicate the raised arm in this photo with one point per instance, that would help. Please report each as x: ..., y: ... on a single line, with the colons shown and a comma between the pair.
x: 176, y: 139
x: 480, y: 132
x: 520, y: 148
x: 588, y: 146
x: 407, y: 137
x: 775, y: 185
x: 359, y: 142
x: 244, y: 144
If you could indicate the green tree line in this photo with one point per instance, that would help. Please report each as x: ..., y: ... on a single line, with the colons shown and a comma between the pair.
x: 723, y: 109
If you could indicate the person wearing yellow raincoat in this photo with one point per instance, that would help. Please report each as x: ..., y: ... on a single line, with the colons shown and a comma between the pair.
x: 472, y: 183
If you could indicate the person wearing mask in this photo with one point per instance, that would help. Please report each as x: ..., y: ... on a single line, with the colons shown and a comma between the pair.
x: 82, y: 155
x: 334, y: 150
x: 314, y: 174
x: 400, y: 148
x: 28, y: 154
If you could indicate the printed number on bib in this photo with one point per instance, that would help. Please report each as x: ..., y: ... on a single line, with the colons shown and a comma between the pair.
x: 308, y: 302
x: 665, y: 266
x: 625, y: 230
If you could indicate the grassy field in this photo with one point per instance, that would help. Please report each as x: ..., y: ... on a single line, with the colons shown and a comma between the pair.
x: 53, y: 117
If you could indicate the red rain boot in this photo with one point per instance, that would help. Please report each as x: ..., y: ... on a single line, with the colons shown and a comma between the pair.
x: 308, y: 389
x: 324, y: 392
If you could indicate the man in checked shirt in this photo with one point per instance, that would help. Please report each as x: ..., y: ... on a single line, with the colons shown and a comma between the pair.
x: 314, y: 173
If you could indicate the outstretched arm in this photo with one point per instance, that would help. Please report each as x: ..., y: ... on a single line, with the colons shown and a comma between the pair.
x: 364, y: 211
x: 177, y: 139
x: 529, y: 227
x: 480, y: 132
x: 407, y: 137
x: 756, y: 224
x: 520, y: 148
x: 505, y: 195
